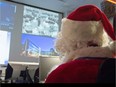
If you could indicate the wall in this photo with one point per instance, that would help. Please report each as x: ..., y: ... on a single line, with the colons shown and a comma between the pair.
x: 64, y: 6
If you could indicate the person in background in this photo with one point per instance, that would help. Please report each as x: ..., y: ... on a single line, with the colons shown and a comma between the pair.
x: 86, y: 39
x: 36, y: 76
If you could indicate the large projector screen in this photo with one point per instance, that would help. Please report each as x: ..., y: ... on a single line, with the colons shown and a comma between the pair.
x: 33, y: 30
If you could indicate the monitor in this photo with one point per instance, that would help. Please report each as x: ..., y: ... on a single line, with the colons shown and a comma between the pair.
x: 7, y: 15
x: 16, y: 70
x: 46, y: 65
x: 19, y: 70
x: 5, y: 37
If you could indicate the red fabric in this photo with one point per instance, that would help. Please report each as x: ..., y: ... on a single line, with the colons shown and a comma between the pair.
x: 77, y: 71
x: 92, y: 13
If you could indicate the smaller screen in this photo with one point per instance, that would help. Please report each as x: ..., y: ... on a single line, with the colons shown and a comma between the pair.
x: 5, y: 47
x: 30, y: 49
x: 40, y: 22
x: 34, y: 46
x: 7, y: 14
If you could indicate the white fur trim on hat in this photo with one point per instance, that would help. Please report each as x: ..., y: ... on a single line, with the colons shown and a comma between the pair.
x: 83, y: 30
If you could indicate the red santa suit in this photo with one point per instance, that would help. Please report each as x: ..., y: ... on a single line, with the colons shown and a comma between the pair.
x: 82, y: 43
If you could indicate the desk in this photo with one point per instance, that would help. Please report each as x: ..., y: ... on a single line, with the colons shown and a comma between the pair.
x: 4, y: 81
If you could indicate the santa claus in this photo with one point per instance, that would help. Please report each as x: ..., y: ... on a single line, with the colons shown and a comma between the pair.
x: 85, y: 41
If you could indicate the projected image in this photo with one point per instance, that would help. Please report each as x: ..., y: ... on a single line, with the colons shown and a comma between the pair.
x: 4, y: 46
x: 40, y: 22
x: 7, y: 14
x: 34, y: 46
x: 30, y: 49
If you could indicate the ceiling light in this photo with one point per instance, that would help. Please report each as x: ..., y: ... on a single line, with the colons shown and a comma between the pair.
x: 112, y: 1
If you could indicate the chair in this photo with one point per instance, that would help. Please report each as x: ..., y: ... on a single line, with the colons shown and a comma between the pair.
x: 36, y: 75
x: 107, y: 71
x: 9, y: 72
x: 0, y: 75
x: 26, y: 76
x: 0, y: 72
x: 23, y: 74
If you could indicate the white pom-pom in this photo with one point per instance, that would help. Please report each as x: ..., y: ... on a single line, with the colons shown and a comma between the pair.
x: 112, y: 47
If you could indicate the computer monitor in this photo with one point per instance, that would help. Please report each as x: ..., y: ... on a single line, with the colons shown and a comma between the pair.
x: 5, y: 39
x: 46, y: 65
x: 17, y: 68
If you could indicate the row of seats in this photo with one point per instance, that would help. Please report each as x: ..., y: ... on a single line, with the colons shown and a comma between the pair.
x: 24, y: 74
x: 106, y: 73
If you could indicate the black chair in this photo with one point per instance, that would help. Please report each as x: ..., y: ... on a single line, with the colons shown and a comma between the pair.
x: 23, y: 74
x: 26, y: 76
x: 107, y: 71
x: 0, y: 72
x: 9, y: 72
x: 0, y: 75
x: 36, y: 75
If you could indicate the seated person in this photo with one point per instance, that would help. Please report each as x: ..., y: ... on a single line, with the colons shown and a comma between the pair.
x: 83, y: 44
x: 107, y: 71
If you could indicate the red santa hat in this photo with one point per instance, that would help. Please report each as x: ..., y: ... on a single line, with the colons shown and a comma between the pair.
x: 86, y: 24
x: 92, y: 13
